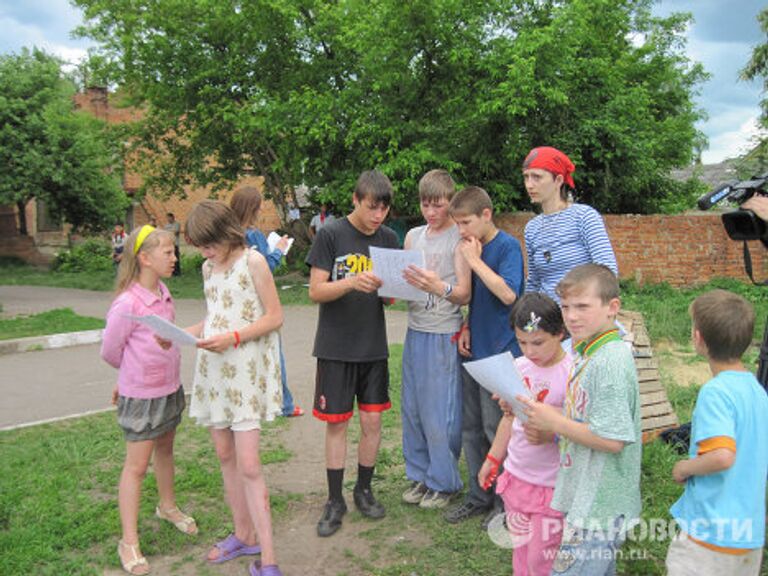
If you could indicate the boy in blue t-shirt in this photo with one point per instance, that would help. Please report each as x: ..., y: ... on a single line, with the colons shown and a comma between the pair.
x: 496, y: 261
x: 721, y: 514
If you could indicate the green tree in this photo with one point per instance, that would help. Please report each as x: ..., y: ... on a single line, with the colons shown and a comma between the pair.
x: 756, y: 161
x: 316, y: 91
x: 757, y: 67
x: 51, y: 152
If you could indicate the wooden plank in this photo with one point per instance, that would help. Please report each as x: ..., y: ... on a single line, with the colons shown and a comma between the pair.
x: 656, y: 412
x: 651, y: 386
x: 667, y: 420
x: 658, y: 409
x: 647, y: 374
x: 642, y: 363
x: 653, y: 398
x: 642, y: 339
x: 629, y: 314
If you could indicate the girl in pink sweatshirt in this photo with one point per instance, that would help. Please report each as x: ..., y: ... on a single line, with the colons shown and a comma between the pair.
x: 149, y: 396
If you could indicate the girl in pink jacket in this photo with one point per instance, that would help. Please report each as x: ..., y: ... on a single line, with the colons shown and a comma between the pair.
x: 149, y: 396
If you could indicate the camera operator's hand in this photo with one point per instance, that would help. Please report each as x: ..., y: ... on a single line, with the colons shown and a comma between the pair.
x: 759, y: 205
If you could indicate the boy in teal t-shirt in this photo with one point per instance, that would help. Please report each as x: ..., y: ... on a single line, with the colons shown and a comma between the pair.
x: 721, y: 514
x: 598, y: 484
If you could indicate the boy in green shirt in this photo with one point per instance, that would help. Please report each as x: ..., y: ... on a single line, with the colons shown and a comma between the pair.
x: 598, y: 485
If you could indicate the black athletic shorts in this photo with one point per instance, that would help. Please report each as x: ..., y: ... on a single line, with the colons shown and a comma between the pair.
x: 337, y: 384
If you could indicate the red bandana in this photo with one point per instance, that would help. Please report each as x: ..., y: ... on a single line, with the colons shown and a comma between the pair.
x: 552, y: 160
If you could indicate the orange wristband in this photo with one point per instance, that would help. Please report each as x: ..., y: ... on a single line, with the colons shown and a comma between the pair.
x: 237, y: 338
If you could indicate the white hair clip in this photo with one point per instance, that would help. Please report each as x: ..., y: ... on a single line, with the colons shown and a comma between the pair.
x: 533, y: 324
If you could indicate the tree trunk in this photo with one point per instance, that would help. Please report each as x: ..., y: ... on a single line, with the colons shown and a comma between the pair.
x: 21, y: 208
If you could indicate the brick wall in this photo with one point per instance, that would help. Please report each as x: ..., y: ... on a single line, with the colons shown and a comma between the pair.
x: 682, y: 250
x: 96, y: 101
x: 268, y: 218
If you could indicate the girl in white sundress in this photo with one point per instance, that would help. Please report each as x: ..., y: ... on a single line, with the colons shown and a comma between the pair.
x: 237, y: 376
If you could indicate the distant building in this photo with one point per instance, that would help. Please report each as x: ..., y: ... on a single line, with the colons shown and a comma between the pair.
x: 46, y: 237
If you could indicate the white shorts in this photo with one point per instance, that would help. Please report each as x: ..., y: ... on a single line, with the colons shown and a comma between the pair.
x: 686, y: 557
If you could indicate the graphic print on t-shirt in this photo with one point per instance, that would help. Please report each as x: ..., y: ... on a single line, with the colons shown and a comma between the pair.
x: 539, y: 389
x: 576, y: 404
x: 350, y: 265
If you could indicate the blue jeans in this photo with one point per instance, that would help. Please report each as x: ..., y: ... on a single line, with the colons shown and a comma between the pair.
x: 589, y: 552
x: 431, y: 410
x: 480, y: 418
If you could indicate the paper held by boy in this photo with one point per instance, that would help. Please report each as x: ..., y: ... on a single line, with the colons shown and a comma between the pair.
x: 389, y: 265
x: 165, y: 329
x: 499, y: 375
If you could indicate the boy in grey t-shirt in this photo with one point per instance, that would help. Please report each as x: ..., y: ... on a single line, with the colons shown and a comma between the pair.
x: 598, y: 485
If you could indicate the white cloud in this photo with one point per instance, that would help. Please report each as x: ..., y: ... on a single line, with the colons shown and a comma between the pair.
x: 734, y: 142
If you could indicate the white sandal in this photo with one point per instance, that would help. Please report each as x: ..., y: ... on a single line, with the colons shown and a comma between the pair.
x: 186, y: 524
x: 136, y: 561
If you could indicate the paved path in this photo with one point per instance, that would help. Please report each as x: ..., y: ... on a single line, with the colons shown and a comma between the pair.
x: 51, y: 384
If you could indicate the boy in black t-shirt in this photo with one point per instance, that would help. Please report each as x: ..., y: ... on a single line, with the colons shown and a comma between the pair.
x: 351, y: 342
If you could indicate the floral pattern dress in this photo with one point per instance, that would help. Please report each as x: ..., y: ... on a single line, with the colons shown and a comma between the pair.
x: 243, y: 383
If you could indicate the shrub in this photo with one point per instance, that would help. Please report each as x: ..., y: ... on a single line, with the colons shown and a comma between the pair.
x: 92, y: 255
x: 192, y: 262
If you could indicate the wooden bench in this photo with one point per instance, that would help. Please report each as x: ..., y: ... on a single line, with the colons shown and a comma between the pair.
x: 656, y: 412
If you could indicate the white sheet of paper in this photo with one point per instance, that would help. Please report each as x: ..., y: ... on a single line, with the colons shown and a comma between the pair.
x: 389, y: 265
x: 499, y: 375
x: 165, y: 329
x: 274, y: 238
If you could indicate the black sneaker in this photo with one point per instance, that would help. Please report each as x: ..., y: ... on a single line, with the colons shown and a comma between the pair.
x: 367, y: 504
x: 464, y: 511
x: 330, y: 521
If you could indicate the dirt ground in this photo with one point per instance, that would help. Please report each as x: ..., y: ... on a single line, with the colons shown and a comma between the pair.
x: 299, y: 550
x: 682, y: 366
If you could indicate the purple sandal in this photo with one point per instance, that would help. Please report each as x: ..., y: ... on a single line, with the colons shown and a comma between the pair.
x: 256, y: 569
x: 232, y: 547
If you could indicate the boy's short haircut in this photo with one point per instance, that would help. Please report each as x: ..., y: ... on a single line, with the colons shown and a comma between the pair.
x: 726, y: 322
x: 472, y: 200
x: 213, y: 222
x: 246, y: 202
x: 374, y: 186
x: 582, y: 276
x: 436, y: 185
x: 537, y: 311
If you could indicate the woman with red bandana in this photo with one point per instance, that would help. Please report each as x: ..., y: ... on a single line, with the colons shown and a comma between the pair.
x: 565, y: 234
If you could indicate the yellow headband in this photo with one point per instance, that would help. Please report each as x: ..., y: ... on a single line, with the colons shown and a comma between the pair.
x: 145, y: 231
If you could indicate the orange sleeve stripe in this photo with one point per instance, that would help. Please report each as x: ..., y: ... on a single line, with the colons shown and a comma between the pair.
x: 717, y: 442
x: 720, y: 549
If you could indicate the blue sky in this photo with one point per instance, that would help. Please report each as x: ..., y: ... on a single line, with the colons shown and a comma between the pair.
x: 721, y: 38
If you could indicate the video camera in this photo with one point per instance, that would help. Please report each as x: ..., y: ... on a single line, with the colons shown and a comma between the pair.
x: 740, y: 224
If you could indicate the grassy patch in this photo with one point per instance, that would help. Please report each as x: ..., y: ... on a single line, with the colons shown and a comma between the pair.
x: 58, y: 511
x: 188, y: 285
x: 58, y: 486
x: 50, y: 322
x: 665, y: 308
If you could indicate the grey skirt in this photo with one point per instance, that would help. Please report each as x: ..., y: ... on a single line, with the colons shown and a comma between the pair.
x: 149, y: 418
